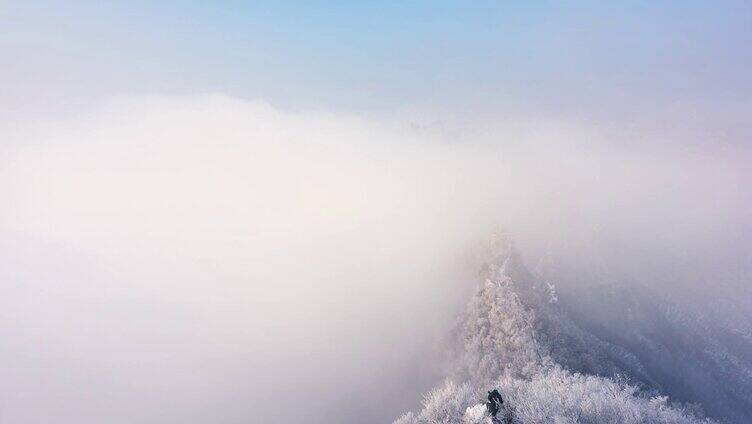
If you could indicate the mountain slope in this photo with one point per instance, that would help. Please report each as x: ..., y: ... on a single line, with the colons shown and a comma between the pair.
x: 519, y: 335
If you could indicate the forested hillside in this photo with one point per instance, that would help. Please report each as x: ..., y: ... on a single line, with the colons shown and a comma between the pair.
x: 614, y: 354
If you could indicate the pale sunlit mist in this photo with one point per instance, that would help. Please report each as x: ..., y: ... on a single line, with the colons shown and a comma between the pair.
x: 198, y: 258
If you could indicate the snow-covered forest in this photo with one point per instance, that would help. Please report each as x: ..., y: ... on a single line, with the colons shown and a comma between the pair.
x: 610, y: 356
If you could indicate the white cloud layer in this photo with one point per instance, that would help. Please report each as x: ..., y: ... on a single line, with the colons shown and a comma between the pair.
x: 208, y: 259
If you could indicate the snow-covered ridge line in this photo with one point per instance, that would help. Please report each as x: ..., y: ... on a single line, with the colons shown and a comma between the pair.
x: 512, y: 337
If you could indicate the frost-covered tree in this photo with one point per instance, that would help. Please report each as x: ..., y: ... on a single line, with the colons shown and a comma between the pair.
x: 442, y: 405
x: 498, y: 335
x: 559, y: 396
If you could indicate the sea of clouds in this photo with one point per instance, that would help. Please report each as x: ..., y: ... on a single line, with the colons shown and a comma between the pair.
x: 211, y: 259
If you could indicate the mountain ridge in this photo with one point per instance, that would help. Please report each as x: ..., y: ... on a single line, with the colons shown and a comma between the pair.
x: 554, y: 364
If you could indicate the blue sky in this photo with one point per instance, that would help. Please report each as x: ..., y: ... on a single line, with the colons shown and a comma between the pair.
x: 583, y: 60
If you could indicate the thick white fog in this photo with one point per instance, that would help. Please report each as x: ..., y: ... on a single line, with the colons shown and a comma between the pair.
x: 209, y: 259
